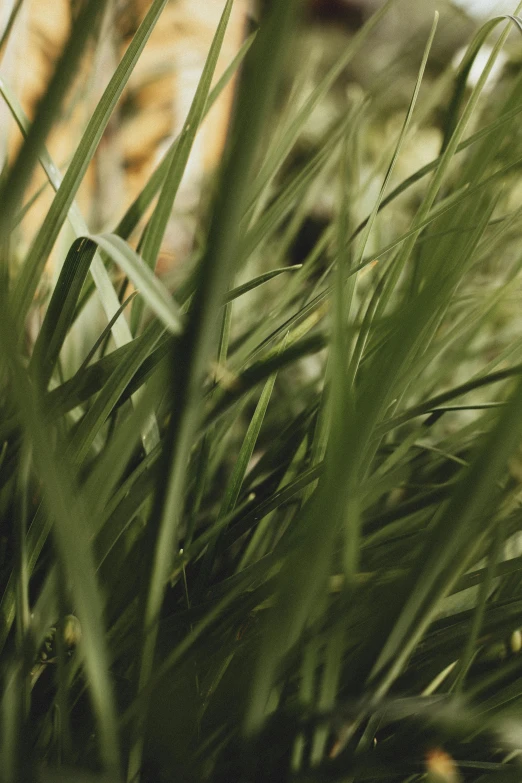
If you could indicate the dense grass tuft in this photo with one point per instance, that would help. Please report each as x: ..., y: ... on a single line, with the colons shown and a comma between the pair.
x: 265, y: 524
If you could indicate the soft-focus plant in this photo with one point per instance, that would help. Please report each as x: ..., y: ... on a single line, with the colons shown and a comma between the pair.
x: 266, y: 526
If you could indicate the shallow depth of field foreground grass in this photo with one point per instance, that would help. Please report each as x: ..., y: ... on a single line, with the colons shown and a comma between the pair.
x: 265, y: 525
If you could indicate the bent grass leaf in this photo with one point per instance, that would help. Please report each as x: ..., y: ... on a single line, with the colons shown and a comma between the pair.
x: 105, y: 288
x: 149, y: 286
x: 61, y: 309
x: 235, y: 293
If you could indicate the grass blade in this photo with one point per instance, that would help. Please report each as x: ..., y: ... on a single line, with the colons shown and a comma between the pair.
x: 157, y: 225
x: 235, y: 293
x: 149, y: 286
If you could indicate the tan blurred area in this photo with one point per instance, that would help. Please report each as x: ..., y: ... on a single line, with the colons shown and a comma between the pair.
x: 158, y: 96
x: 150, y: 114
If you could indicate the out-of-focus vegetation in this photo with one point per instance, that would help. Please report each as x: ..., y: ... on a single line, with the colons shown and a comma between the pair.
x: 260, y: 514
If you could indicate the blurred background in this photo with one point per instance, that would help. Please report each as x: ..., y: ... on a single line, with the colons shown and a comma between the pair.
x: 160, y: 91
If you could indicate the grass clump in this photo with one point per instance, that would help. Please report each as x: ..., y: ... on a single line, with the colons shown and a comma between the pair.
x: 266, y: 525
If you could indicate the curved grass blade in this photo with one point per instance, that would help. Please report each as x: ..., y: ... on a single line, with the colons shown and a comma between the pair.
x: 61, y: 309
x: 235, y: 293
x: 109, y: 300
x: 464, y: 72
x: 108, y: 296
x: 449, y: 152
x: 478, y: 135
x: 149, y: 286
x: 402, y: 187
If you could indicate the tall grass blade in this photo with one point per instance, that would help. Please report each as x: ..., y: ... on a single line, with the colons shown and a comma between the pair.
x: 19, y: 174
x: 262, y: 69
x: 158, y: 223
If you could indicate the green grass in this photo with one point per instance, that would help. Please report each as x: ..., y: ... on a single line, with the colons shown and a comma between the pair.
x: 266, y: 524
